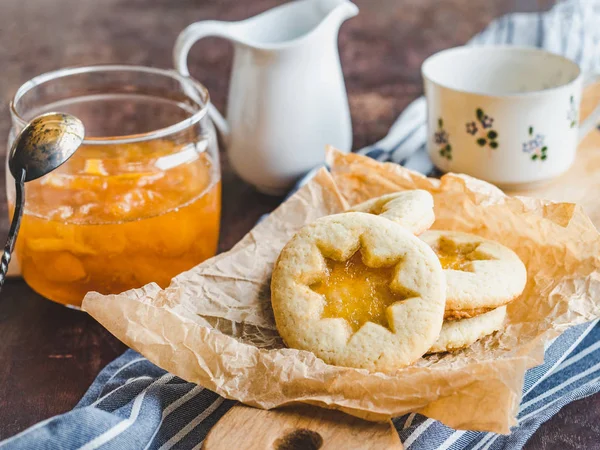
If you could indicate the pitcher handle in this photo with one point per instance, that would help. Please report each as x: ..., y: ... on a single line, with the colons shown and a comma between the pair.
x: 186, y: 39
x: 591, y: 121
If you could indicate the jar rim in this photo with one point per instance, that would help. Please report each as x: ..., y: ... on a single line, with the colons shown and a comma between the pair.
x: 194, y: 89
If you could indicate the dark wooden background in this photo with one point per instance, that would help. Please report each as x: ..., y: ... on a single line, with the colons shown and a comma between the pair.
x: 49, y: 354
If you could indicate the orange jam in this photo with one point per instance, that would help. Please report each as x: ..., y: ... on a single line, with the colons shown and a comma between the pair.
x: 458, y: 256
x: 117, y: 218
x: 358, y: 293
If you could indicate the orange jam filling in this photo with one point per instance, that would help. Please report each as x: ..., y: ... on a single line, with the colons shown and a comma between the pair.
x: 458, y: 256
x: 358, y: 293
x: 117, y: 218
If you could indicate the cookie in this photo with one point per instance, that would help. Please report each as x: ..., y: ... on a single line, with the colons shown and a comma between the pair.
x: 481, y: 274
x: 358, y: 290
x: 411, y: 209
x: 457, y: 334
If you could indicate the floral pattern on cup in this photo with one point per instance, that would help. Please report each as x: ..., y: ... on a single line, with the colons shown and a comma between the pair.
x: 441, y: 138
x: 482, y: 129
x: 572, y: 113
x: 535, y: 146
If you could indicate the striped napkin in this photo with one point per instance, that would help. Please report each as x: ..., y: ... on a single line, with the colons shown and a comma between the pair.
x: 133, y: 404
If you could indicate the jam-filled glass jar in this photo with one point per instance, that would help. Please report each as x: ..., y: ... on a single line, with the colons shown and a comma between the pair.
x: 140, y: 200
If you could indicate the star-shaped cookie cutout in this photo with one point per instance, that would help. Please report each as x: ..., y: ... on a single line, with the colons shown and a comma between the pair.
x: 458, y: 256
x: 358, y: 293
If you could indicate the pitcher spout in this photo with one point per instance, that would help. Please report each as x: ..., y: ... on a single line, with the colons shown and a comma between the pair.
x: 291, y: 23
x: 337, y: 11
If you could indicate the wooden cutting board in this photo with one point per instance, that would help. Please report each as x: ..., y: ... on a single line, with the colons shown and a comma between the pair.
x: 301, y: 427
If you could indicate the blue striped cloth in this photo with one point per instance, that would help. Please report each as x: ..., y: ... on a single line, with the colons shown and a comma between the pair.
x: 135, y: 405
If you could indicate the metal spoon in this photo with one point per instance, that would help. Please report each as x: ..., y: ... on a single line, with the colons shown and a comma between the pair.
x: 44, y: 144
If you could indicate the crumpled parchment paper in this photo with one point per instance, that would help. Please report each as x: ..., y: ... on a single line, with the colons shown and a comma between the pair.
x: 214, y: 324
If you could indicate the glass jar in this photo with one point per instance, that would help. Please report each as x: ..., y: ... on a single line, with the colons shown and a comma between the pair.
x: 140, y: 200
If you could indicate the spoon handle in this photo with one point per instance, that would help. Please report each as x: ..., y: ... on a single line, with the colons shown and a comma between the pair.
x: 14, y: 226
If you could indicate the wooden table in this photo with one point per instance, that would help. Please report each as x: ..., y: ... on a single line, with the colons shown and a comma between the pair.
x: 49, y: 354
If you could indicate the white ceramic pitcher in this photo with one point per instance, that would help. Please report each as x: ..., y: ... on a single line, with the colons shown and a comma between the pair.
x: 287, y: 98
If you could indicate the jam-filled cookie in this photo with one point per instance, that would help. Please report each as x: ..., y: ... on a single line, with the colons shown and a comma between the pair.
x: 457, y: 334
x: 358, y: 290
x: 480, y: 274
x: 411, y: 209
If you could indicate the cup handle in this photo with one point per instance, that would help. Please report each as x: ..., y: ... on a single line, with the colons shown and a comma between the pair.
x: 186, y: 39
x: 591, y: 121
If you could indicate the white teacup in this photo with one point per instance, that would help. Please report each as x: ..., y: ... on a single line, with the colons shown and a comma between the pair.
x: 508, y: 115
